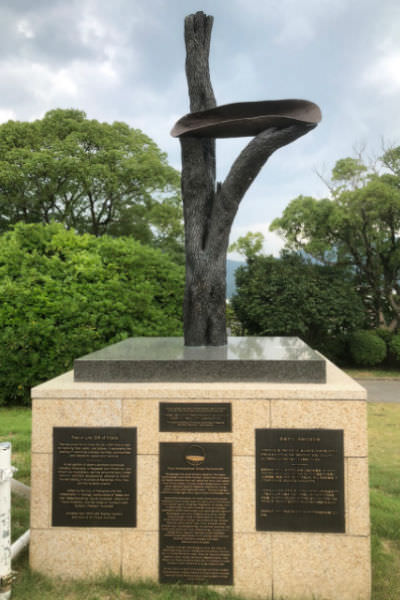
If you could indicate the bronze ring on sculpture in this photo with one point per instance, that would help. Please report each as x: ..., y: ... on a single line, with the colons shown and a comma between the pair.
x: 244, y: 119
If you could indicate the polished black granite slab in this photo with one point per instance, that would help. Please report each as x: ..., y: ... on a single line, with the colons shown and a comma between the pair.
x: 153, y: 359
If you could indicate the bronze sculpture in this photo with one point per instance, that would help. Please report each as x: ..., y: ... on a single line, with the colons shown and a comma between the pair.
x: 210, y: 207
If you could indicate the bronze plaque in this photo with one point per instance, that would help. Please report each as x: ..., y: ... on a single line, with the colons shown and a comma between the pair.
x: 195, y: 416
x: 300, y: 480
x: 196, y: 513
x: 94, y: 477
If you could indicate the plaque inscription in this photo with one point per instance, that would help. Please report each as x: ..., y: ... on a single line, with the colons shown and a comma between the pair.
x: 94, y: 477
x: 195, y: 416
x: 300, y: 480
x: 196, y: 513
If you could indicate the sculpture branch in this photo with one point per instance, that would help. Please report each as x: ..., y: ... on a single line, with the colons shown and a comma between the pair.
x: 243, y: 172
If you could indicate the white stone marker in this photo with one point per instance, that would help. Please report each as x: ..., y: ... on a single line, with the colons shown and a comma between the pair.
x: 5, y: 520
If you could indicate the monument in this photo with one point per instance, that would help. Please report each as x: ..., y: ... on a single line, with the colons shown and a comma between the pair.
x: 239, y: 463
x: 209, y: 208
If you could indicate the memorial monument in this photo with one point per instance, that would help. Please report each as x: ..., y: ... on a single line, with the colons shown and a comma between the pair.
x: 209, y: 208
x: 237, y: 463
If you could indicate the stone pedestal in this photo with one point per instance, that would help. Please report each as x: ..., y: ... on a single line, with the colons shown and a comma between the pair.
x: 266, y: 564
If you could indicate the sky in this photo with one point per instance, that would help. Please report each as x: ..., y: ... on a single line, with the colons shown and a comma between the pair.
x: 123, y: 60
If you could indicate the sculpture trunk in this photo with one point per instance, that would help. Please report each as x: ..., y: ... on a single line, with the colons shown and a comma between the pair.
x: 204, y: 303
x: 205, y: 286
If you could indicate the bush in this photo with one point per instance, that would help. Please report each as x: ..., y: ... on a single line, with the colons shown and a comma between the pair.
x: 385, y: 335
x: 367, y: 348
x: 293, y: 297
x: 394, y: 346
x: 334, y: 348
x: 64, y: 295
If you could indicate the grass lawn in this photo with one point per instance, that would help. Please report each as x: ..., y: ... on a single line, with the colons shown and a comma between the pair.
x: 373, y: 373
x: 384, y: 467
x: 384, y: 445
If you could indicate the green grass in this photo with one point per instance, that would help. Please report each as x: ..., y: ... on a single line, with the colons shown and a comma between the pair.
x: 384, y: 459
x: 373, y: 373
x: 15, y: 427
x: 36, y: 587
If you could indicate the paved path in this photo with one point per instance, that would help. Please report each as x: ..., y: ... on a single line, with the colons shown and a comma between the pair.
x: 381, y: 390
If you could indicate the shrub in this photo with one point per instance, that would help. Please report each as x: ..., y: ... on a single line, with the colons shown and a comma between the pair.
x: 385, y: 335
x: 64, y: 295
x: 394, y: 346
x: 367, y: 348
x: 334, y: 348
x: 291, y: 296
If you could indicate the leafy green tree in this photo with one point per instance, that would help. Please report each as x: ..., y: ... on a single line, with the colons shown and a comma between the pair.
x: 250, y: 245
x: 357, y: 226
x: 93, y: 177
x: 291, y: 296
x: 64, y: 295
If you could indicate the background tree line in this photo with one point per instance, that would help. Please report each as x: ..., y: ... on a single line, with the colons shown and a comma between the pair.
x: 91, y: 244
x: 337, y: 282
x: 93, y: 177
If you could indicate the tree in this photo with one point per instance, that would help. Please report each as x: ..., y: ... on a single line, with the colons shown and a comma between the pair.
x: 357, y: 226
x: 292, y: 296
x: 92, y: 177
x: 249, y: 245
x: 64, y: 295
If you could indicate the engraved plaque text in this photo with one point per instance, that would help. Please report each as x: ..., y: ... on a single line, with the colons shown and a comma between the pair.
x: 300, y: 480
x: 196, y: 513
x: 94, y: 477
x: 195, y: 416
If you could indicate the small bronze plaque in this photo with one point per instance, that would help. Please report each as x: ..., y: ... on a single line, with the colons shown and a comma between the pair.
x: 196, y: 513
x: 195, y: 416
x: 300, y: 480
x: 94, y: 477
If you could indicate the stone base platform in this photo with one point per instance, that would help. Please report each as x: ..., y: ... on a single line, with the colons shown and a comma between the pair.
x: 266, y: 564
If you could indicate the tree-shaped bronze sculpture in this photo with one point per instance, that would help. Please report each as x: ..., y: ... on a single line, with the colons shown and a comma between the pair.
x: 210, y: 207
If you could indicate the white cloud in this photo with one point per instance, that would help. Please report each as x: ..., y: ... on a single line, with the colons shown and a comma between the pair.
x: 25, y: 28
x: 273, y: 244
x: 294, y: 23
x: 63, y: 83
x: 7, y: 115
x: 91, y: 29
x: 42, y: 86
x: 384, y: 72
x: 105, y: 39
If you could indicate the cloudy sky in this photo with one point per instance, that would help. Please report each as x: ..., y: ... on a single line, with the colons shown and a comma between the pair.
x: 124, y: 60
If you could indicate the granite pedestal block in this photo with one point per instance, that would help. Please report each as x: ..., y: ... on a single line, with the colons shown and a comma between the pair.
x: 265, y: 563
x: 147, y: 359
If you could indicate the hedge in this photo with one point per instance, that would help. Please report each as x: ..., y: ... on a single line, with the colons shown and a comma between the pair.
x: 64, y: 295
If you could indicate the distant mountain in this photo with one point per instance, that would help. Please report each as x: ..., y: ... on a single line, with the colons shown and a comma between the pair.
x: 231, y: 266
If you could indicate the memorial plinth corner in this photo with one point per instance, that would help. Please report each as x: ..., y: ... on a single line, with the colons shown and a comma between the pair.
x: 196, y: 441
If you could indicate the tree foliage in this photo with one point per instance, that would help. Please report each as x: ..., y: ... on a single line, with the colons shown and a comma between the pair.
x: 367, y: 349
x: 64, y: 295
x: 394, y: 346
x: 93, y: 177
x: 249, y: 245
x: 357, y: 226
x: 291, y: 296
